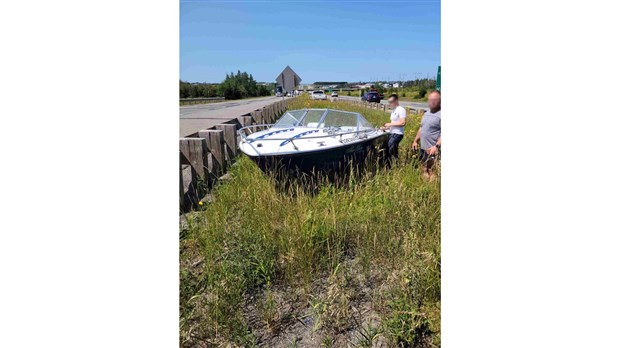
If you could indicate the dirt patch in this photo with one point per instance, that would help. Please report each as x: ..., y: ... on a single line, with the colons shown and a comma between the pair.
x: 338, y: 310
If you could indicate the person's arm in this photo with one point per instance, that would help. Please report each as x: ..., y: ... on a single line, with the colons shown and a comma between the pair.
x: 433, y: 150
x: 401, y: 122
x: 415, y: 141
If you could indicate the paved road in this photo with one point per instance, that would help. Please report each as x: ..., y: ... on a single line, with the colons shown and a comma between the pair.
x: 413, y: 105
x: 202, y: 116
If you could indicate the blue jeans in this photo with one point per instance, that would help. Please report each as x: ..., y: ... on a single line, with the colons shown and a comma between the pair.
x: 393, y: 142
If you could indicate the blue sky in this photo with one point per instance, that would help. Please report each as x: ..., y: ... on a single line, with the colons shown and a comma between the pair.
x: 321, y: 40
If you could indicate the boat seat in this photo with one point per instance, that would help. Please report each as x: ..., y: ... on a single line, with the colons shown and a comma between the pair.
x: 315, y: 125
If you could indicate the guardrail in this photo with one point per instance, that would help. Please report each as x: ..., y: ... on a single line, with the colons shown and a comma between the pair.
x: 206, y: 155
x: 378, y: 106
x: 189, y: 101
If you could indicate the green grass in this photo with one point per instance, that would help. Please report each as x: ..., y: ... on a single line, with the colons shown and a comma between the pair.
x: 410, y: 94
x: 255, y: 242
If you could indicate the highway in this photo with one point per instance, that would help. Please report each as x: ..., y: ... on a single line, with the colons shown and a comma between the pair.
x: 202, y: 116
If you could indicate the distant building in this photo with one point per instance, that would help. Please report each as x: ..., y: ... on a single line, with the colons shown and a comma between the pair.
x: 288, y: 79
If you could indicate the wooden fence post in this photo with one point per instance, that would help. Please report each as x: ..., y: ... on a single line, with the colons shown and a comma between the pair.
x: 247, y: 120
x: 258, y: 116
x: 263, y: 115
x: 181, y: 189
x: 216, y: 146
x: 230, y: 138
x: 272, y: 113
x: 194, y: 150
x: 188, y: 190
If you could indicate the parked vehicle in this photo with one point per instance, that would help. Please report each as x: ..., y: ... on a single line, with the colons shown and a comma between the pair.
x: 371, y: 97
x: 278, y: 94
x: 309, y: 139
x: 334, y: 95
x: 319, y: 95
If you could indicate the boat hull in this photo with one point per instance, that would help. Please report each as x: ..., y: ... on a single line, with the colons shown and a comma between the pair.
x: 330, y: 159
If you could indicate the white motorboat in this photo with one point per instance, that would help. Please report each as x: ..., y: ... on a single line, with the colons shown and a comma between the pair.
x: 311, y: 139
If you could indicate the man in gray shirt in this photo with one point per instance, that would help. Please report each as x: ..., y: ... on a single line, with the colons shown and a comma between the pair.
x: 430, y: 135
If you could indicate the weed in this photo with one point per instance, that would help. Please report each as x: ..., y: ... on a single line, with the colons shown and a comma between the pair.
x: 254, y: 237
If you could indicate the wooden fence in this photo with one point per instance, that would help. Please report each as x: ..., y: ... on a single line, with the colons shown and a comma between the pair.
x: 378, y: 106
x: 206, y: 156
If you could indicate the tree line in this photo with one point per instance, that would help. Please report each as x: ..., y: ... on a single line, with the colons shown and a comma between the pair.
x: 235, y: 86
x: 324, y: 83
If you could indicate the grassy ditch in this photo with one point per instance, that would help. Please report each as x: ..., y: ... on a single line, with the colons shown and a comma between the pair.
x: 357, y: 265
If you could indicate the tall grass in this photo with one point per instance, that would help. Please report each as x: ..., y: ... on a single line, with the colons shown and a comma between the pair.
x: 254, y: 239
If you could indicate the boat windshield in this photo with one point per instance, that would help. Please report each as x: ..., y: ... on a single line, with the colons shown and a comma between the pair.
x: 321, y: 118
x: 290, y: 118
x: 340, y: 119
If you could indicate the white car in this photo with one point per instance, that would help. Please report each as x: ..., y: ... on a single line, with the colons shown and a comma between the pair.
x: 319, y: 95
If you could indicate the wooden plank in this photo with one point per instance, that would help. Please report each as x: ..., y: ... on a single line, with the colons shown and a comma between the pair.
x: 181, y: 188
x: 267, y: 115
x: 247, y: 120
x: 260, y: 118
x: 216, y: 146
x: 194, y: 151
x: 188, y: 187
x: 230, y: 138
x: 257, y: 115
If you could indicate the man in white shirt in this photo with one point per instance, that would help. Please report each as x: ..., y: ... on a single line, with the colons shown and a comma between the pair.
x: 396, y: 126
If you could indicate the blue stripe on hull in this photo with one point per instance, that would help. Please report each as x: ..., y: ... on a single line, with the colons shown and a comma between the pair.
x: 271, y: 133
x: 299, y: 136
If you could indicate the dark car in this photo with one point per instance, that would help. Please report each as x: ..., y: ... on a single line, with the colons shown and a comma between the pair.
x: 371, y: 97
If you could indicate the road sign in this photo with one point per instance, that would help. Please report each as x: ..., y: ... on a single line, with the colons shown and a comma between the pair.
x: 439, y: 78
